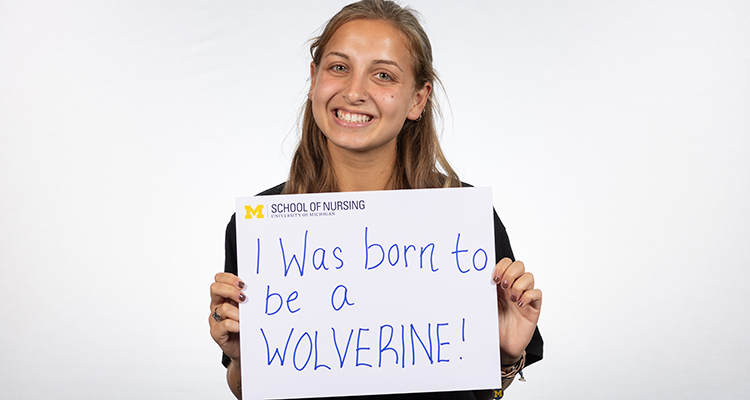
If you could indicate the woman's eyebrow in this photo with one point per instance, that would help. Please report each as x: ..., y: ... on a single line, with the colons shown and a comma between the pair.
x: 336, y: 53
x: 389, y: 62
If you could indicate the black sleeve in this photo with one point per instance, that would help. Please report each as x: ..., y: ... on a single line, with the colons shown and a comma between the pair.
x: 502, y: 243
x: 534, y: 351
x: 230, y: 248
x: 230, y: 262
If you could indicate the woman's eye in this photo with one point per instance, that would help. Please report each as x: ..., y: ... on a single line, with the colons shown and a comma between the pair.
x: 338, y: 68
x: 383, y: 76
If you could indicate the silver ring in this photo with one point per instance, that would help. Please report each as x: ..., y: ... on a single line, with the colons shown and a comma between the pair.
x: 216, y: 315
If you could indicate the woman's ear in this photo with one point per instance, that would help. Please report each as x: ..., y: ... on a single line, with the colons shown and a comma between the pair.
x: 312, y: 80
x: 420, y: 99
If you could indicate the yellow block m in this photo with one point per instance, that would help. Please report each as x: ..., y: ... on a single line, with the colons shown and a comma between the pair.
x: 257, y: 211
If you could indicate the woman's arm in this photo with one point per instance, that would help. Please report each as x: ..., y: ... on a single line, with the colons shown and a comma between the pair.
x: 234, y: 380
x: 226, y: 294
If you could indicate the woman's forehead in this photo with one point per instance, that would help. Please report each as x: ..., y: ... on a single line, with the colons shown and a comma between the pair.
x: 363, y: 37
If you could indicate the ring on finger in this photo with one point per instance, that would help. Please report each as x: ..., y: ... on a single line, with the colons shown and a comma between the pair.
x: 215, y: 315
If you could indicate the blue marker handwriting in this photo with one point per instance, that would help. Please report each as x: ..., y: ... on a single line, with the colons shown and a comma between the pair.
x: 383, y: 346
x: 297, y: 256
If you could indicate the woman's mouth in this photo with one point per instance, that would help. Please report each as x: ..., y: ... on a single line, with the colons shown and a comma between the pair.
x: 352, y: 117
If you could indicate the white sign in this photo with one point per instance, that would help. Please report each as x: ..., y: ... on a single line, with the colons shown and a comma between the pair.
x: 367, y: 293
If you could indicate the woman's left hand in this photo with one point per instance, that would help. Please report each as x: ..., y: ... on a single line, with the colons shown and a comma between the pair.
x: 519, y: 304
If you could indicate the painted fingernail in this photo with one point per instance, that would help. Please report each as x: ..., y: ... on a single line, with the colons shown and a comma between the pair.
x: 505, y: 285
x: 513, y: 297
x: 241, y: 285
x: 520, y: 303
x: 496, y: 279
x: 242, y: 297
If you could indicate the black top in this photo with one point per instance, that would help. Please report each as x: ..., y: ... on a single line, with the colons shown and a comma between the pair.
x: 502, y: 250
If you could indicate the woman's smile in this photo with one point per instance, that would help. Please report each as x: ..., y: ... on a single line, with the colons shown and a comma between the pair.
x: 352, y: 117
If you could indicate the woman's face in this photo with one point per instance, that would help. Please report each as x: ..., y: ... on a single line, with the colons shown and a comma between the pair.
x: 363, y: 90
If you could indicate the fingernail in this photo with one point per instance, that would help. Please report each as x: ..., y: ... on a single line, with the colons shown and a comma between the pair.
x: 241, y: 285
x: 520, y: 303
x: 496, y: 279
x: 242, y: 297
x: 513, y: 297
x: 505, y: 285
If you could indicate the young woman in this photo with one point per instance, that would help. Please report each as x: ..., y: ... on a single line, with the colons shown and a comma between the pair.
x: 369, y: 124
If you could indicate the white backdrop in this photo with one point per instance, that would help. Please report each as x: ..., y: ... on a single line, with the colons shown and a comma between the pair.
x: 615, y: 136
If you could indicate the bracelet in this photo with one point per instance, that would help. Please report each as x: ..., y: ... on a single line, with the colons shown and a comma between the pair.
x: 514, y: 369
x: 509, y: 374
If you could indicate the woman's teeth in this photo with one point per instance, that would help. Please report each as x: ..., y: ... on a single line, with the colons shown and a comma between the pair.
x: 349, y: 117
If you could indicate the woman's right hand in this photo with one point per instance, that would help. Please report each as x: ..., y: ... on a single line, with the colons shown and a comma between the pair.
x: 226, y: 294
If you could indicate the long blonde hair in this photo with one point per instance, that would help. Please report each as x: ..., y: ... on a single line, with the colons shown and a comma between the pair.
x: 420, y: 162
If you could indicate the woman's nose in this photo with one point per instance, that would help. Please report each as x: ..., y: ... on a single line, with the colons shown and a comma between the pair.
x: 356, y: 90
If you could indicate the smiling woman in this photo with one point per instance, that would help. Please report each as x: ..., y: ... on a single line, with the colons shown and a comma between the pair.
x: 369, y: 124
x: 372, y: 63
x: 361, y: 95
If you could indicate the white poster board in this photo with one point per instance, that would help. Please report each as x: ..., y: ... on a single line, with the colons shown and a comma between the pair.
x: 367, y: 292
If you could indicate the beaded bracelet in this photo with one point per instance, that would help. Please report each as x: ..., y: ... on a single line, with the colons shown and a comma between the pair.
x: 515, y: 368
x: 509, y: 374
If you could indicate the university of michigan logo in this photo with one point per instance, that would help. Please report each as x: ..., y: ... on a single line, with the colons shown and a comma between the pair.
x: 257, y: 211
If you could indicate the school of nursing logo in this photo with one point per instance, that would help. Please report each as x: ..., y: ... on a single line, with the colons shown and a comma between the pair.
x: 299, y: 209
x: 257, y: 211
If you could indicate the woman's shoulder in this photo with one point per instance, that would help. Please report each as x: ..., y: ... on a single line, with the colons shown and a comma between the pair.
x: 274, y: 190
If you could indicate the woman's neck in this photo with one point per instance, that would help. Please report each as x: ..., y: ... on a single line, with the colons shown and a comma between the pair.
x: 358, y: 171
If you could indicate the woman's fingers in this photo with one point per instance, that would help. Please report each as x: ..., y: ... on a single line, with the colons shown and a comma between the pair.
x: 222, y: 333
x: 519, y: 304
x: 223, y: 319
x: 226, y: 287
x: 512, y: 278
x: 531, y: 298
x: 500, y: 269
x: 219, y: 330
x: 522, y: 284
x: 227, y: 311
x: 222, y: 292
x: 226, y: 277
x: 507, y: 271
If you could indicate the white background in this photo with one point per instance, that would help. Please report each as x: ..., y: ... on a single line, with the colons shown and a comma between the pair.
x: 614, y: 135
